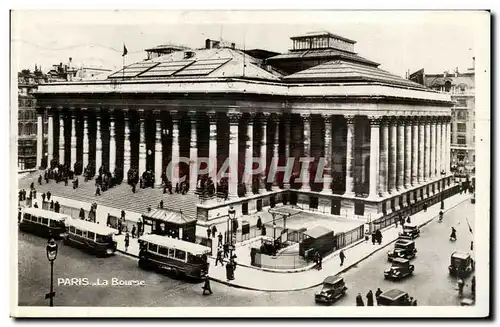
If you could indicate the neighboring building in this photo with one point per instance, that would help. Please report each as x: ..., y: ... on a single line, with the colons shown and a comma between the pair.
x: 385, y: 139
x: 27, y: 120
x: 461, y: 86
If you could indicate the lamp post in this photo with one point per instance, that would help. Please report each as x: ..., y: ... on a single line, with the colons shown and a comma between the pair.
x: 51, y: 255
x: 443, y: 173
x: 230, y: 228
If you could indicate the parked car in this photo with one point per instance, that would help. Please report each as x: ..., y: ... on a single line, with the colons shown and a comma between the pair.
x: 410, y: 231
x: 402, y: 249
x: 396, y: 297
x: 400, y: 268
x: 333, y: 289
x: 462, y: 264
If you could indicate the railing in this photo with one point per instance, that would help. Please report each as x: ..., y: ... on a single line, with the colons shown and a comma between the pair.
x: 283, y: 261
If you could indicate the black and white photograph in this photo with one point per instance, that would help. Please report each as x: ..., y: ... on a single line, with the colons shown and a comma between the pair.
x: 250, y: 163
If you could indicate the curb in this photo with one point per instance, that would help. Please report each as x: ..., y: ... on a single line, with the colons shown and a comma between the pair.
x: 338, y: 273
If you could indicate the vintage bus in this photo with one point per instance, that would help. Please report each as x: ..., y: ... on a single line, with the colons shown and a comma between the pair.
x: 43, y: 223
x: 90, y: 236
x: 173, y: 255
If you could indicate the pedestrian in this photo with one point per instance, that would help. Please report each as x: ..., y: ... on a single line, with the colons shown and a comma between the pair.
x: 425, y: 207
x: 472, y: 263
x: 214, y: 231
x: 40, y: 179
x: 471, y: 245
x: 453, y: 235
x: 396, y: 222
x: 219, y: 257
x: 369, y: 298
x: 122, y: 214
x: 209, y: 232
x: 206, y: 287
x: 149, y: 208
x: 43, y: 197
x: 342, y: 257
x: 133, y: 231
x: 408, y: 220
x: 127, y: 242
x: 97, y: 191
x: 461, y: 285
x: 379, y: 236
x: 374, y: 238
x: 225, y: 248
x: 377, y: 295
x: 229, y: 271
x: 220, y: 239
x: 359, y: 301
x: 52, y: 204
x: 57, y: 206
x: 263, y: 230
x: 161, y: 204
x: 82, y: 213
x: 32, y: 185
x: 318, y: 260
x: 36, y: 205
x: 259, y: 223
x: 48, y: 195
x: 119, y: 227
x: 133, y: 188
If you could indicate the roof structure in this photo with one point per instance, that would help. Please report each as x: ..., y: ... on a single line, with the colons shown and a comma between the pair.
x: 331, y: 54
x: 332, y: 279
x: 46, y: 213
x: 317, y: 231
x: 170, y: 216
x: 344, y: 71
x: 89, y: 226
x: 173, y: 243
x: 460, y: 255
x: 322, y: 33
x: 393, y: 294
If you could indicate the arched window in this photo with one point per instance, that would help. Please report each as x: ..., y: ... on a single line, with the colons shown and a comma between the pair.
x: 447, y: 86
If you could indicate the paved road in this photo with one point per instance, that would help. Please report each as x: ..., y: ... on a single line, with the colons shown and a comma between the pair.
x: 430, y: 284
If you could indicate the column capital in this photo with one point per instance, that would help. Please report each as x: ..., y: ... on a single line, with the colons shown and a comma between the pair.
x: 375, y: 120
x: 275, y: 117
x: 250, y: 117
x: 141, y: 113
x: 263, y: 117
x: 126, y: 114
x: 156, y: 113
x: 327, y: 117
x: 306, y: 117
x: 212, y: 116
x: 349, y: 118
x: 175, y: 115
x: 234, y: 117
x: 193, y: 115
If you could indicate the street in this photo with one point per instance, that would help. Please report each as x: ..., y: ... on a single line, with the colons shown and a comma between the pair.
x: 430, y: 284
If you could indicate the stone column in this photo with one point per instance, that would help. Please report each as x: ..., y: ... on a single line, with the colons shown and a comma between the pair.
x: 212, y: 147
x: 249, y: 154
x: 439, y: 150
x: 414, y: 152
x: 427, y: 159
x: 374, y: 155
x: 85, y: 162
x: 126, y: 143
x: 61, y: 138
x: 384, y: 158
x: 400, y: 155
x: 175, y: 148
x: 112, y: 143
x: 276, y: 144
x: 306, y: 119
x: 98, y: 144
x: 287, y: 146
x: 408, y: 153
x: 433, y: 142
x: 158, y: 150
x: 421, y: 150
x: 234, y: 119
x: 327, y: 177
x: 73, y: 140
x: 39, y: 139
x: 448, y: 146
x: 349, y: 168
x: 393, y: 141
x: 263, y: 151
x: 193, y: 153
x: 50, y: 145
x: 142, y: 144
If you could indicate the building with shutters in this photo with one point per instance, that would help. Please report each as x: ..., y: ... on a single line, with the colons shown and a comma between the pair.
x: 384, y: 139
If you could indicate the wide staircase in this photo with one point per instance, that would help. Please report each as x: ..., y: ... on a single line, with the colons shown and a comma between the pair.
x: 119, y: 196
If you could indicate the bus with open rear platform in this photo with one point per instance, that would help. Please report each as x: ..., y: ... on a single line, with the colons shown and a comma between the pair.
x: 43, y: 223
x: 92, y: 237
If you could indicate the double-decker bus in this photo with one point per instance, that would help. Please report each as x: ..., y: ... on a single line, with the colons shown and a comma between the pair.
x: 173, y: 255
x: 90, y: 236
x: 43, y: 223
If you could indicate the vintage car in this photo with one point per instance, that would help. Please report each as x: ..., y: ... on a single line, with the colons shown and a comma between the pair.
x: 462, y: 264
x: 396, y: 297
x: 410, y: 231
x: 333, y: 289
x: 402, y: 249
x: 400, y: 268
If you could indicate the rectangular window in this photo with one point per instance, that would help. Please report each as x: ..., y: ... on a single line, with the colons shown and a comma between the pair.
x: 152, y: 247
x: 461, y: 140
x: 91, y: 235
x: 27, y: 216
x: 45, y: 221
x: 34, y: 218
x: 163, y: 250
x: 171, y: 253
x: 52, y: 223
x: 71, y: 229
x: 78, y: 232
x: 179, y: 254
x: 461, y: 127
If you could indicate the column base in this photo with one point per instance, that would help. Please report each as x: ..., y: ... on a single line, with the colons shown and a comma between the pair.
x: 326, y: 191
x: 349, y: 194
x: 306, y: 189
x: 275, y: 188
x: 286, y: 186
x: 384, y: 194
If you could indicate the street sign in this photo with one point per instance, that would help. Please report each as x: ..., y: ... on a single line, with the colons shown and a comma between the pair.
x: 50, y: 295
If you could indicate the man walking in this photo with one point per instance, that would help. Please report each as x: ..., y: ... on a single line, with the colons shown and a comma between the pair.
x: 219, y: 257
x: 377, y: 295
x: 369, y: 298
x: 214, y: 231
x: 209, y: 231
x: 461, y: 285
x: 220, y: 239
x: 127, y: 242
x: 342, y: 257
x: 207, y: 290
x: 359, y: 301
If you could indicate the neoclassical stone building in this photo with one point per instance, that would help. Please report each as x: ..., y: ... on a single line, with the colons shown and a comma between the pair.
x: 385, y: 140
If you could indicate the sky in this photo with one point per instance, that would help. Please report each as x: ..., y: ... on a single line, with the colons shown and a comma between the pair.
x: 399, y: 41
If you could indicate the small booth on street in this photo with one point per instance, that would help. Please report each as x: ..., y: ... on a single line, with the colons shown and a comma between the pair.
x: 319, y: 239
x: 171, y: 223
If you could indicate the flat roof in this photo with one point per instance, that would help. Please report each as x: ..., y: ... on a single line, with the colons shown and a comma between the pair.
x: 174, y: 243
x: 400, y: 260
x: 317, y: 231
x: 393, y: 294
x: 46, y: 213
x: 89, y: 226
x: 460, y: 255
x: 322, y: 33
x: 332, y: 279
x: 168, y: 215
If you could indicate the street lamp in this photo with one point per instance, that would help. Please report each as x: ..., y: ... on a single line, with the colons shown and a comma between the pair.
x: 230, y: 228
x: 443, y: 173
x: 51, y: 255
